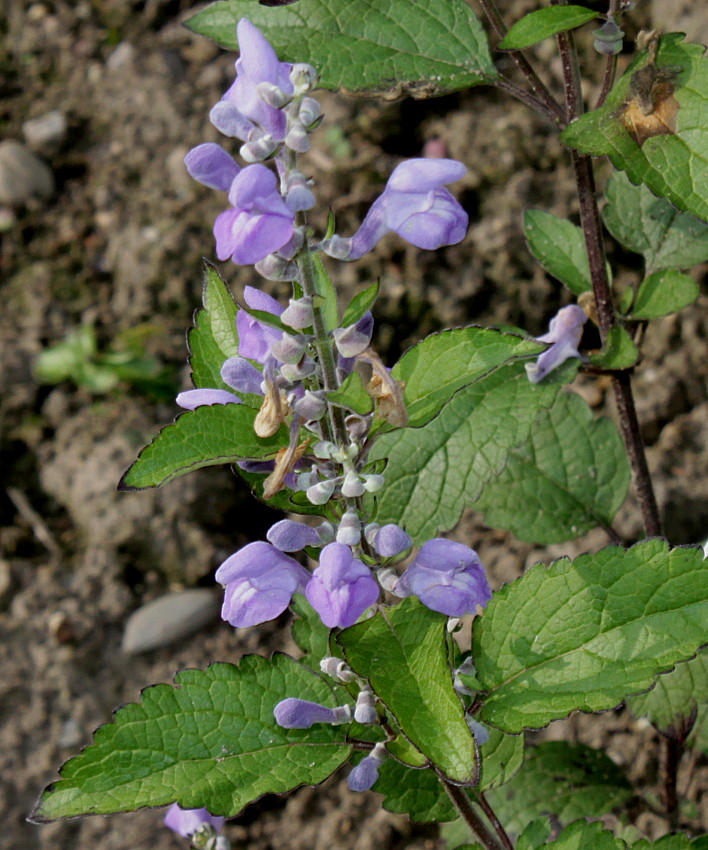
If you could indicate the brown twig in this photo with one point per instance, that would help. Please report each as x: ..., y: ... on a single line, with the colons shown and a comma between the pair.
x: 494, y: 820
x: 464, y: 806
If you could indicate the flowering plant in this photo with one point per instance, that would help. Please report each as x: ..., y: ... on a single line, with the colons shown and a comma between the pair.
x: 378, y: 463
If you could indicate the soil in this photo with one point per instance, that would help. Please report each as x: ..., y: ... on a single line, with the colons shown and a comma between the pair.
x: 118, y: 245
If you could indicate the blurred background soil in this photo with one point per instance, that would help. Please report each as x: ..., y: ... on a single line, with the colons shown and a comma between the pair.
x: 101, y: 226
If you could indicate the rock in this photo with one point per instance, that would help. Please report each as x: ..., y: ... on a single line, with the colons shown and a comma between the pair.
x: 46, y: 131
x: 169, y: 618
x: 122, y: 57
x: 7, y: 584
x: 23, y: 175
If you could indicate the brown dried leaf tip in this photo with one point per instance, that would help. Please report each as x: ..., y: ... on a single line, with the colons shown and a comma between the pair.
x: 387, y: 393
x: 651, y: 108
x: 285, y: 460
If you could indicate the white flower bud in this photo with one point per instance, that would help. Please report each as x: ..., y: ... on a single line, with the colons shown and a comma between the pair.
x: 321, y: 493
x: 298, y: 371
x: 349, y: 531
x: 309, y: 111
x: 303, y: 77
x: 299, y: 313
x: 259, y: 149
x: 373, y: 483
x: 353, y: 486
x: 296, y: 139
x: 365, y: 709
x: 288, y: 349
x: 273, y: 95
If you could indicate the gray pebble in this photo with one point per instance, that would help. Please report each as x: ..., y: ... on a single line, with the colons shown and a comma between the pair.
x: 169, y: 618
x: 46, y: 131
x: 23, y: 175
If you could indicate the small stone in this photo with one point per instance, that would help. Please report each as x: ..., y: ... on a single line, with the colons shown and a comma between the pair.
x: 46, y: 131
x: 169, y: 618
x: 60, y: 627
x: 7, y: 583
x: 122, y: 57
x: 23, y: 175
x: 70, y: 734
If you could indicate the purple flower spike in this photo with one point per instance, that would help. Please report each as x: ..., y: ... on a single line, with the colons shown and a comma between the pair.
x: 191, y: 399
x: 447, y: 577
x: 341, y: 588
x: 564, y: 332
x: 294, y: 713
x: 415, y: 205
x: 259, y: 222
x: 255, y: 338
x: 212, y: 166
x: 186, y: 822
x: 290, y: 536
x: 391, y: 540
x: 259, y: 581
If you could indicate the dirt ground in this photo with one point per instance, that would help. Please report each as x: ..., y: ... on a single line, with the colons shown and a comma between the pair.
x: 118, y: 244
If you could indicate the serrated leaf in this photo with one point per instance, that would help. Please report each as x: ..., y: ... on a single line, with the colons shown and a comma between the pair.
x: 352, y: 395
x: 671, y: 164
x: 544, y: 23
x: 438, y: 366
x: 210, y: 742
x: 206, y: 436
x: 558, y: 245
x: 582, y: 835
x: 567, y: 781
x: 534, y: 835
x: 309, y: 632
x: 403, y: 654
x: 651, y: 226
x: 571, y: 475
x: 360, y: 303
x: 619, y: 352
x: 582, y: 635
x: 662, y: 293
x: 433, y: 472
x: 213, y: 338
x: 326, y: 291
x: 674, y: 703
x: 366, y: 45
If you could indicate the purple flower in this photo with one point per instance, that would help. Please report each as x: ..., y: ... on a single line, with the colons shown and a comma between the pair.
x: 290, y: 536
x: 294, y: 713
x: 241, y: 108
x: 389, y: 540
x: 564, y: 332
x: 255, y: 338
x: 186, y: 822
x: 447, y: 577
x: 212, y: 166
x: 260, y: 582
x: 238, y: 373
x: 415, y: 205
x: 341, y: 588
x: 259, y: 222
x: 365, y: 774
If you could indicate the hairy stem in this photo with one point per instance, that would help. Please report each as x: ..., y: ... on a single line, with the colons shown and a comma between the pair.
x: 670, y: 757
x: 464, y: 806
x: 494, y: 820
x: 550, y: 107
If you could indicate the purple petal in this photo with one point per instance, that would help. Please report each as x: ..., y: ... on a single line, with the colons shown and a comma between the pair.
x: 256, y: 299
x: 372, y: 229
x: 212, y: 166
x: 186, y: 822
x: 257, y: 559
x: 290, y: 536
x: 341, y: 588
x: 259, y: 236
x: 565, y: 332
x: 364, y: 775
x: 242, y: 376
x: 253, y: 181
x: 229, y: 121
x: 292, y: 713
x: 226, y: 230
x: 391, y: 540
x: 422, y: 175
x: 191, y: 399
x: 444, y: 223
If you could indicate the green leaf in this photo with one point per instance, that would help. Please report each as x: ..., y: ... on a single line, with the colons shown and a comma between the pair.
x: 651, y: 226
x: 286, y: 500
x: 266, y: 318
x: 422, y: 49
x: 360, y: 303
x: 326, y: 291
x: 619, y: 352
x: 435, y: 471
x: 674, y: 704
x: 419, y: 794
x: 544, y: 23
x: 206, y: 436
x: 403, y: 654
x: 213, y: 338
x: 584, y: 634
x: 534, y: 835
x: 402, y: 750
x: 582, y: 835
x: 567, y: 781
x: 671, y: 164
x: 352, y: 395
x: 558, y: 245
x: 570, y: 476
x: 663, y: 293
x: 441, y: 364
x: 309, y: 632
x: 211, y: 741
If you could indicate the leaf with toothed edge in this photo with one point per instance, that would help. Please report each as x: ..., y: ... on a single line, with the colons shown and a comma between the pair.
x: 206, y: 436
x: 384, y: 47
x: 210, y: 741
x: 582, y: 635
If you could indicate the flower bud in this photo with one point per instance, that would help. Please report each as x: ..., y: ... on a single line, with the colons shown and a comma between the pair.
x: 388, y: 579
x: 326, y: 532
x: 390, y: 540
x: 297, y: 139
x: 365, y: 774
x: 324, y: 450
x: 288, y: 349
x: 357, y: 427
x: 259, y: 149
x: 337, y: 247
x: 274, y: 267
x: 294, y: 713
x: 299, y: 313
x: 373, y: 483
x: 310, y: 407
x: 303, y: 77
x: 353, y: 486
x: 321, y: 493
x: 298, y: 371
x: 354, y: 339
x: 480, y: 732
x: 309, y: 111
x: 273, y: 95
x: 608, y: 38
x: 365, y: 709
x: 335, y: 668
x: 349, y: 531
x: 290, y: 536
